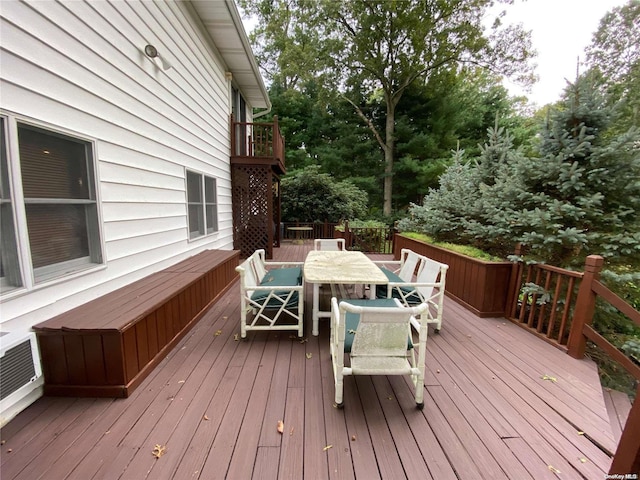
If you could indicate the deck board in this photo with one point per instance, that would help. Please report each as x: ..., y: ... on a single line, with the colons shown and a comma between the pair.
x: 215, y: 401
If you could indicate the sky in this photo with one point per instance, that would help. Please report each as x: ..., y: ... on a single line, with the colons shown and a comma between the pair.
x: 561, y: 29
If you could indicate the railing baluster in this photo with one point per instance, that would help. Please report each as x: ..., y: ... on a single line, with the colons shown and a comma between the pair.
x: 554, y: 306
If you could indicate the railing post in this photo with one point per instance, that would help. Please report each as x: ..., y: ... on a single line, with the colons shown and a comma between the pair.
x: 627, y: 457
x: 514, y: 284
x: 232, y: 129
x: 585, y: 306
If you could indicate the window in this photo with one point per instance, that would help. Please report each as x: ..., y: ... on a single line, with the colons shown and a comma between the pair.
x: 202, y: 205
x: 58, y: 206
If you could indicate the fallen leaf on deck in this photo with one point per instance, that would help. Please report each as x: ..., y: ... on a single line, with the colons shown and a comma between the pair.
x: 224, y: 318
x: 309, y: 355
x: 304, y: 340
x: 553, y: 469
x: 583, y: 460
x: 327, y: 448
x: 218, y: 333
x: 580, y: 433
x: 9, y: 450
x: 159, y: 450
x: 3, y: 442
x: 236, y: 337
x: 551, y: 379
x: 353, y: 438
x: 291, y: 431
x: 205, y: 417
x: 280, y: 426
x: 180, y: 381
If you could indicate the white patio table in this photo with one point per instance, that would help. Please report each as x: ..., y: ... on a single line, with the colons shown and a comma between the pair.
x: 339, y: 268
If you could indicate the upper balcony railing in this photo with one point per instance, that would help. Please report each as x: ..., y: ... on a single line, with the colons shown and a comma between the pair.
x: 255, y: 142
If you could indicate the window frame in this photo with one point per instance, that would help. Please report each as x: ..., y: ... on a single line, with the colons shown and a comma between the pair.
x: 32, y: 277
x: 204, y: 229
x: 15, y: 279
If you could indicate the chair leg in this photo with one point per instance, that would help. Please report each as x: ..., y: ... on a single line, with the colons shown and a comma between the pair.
x: 339, y: 391
x: 300, y: 319
x: 243, y: 321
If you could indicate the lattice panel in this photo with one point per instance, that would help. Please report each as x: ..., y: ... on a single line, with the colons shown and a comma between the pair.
x: 253, y: 216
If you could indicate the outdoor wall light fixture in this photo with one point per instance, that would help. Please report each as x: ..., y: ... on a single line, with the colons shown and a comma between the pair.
x: 152, y: 54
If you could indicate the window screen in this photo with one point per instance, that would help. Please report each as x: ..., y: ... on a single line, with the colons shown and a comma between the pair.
x: 60, y: 201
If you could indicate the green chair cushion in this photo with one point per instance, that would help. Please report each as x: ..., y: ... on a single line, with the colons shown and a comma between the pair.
x: 353, y: 319
x: 279, y: 277
x: 283, y: 277
x: 381, y: 290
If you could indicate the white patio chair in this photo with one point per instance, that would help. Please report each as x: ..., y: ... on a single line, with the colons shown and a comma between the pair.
x: 333, y: 245
x: 428, y: 287
x: 376, y: 335
x: 404, y: 269
x: 329, y: 244
x: 274, y: 296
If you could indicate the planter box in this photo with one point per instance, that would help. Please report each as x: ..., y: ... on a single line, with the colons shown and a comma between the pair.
x: 480, y: 286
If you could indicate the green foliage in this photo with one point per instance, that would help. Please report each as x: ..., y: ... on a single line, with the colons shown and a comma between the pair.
x: 311, y: 196
x: 371, y: 53
x: 614, y: 60
x: 580, y: 196
x: 357, y: 223
x: 632, y: 348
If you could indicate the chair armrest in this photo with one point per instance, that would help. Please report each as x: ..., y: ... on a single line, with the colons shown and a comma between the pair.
x: 295, y: 288
x: 395, y: 263
x: 335, y: 312
x: 414, y: 284
x: 283, y: 264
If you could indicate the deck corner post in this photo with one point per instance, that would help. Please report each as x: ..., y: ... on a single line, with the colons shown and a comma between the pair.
x: 627, y: 457
x: 585, y: 306
x: 514, y: 284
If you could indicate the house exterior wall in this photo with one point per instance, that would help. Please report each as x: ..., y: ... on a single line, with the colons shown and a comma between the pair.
x: 78, y: 68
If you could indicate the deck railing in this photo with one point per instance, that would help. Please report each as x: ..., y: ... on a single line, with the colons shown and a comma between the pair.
x: 542, y: 298
x: 627, y: 456
x: 364, y: 239
x: 257, y: 140
x: 368, y: 239
x: 558, y: 305
x: 316, y: 230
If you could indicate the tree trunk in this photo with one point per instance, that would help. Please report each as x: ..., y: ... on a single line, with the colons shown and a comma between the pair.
x: 389, y: 147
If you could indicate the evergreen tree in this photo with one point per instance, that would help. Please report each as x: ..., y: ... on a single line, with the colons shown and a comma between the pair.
x: 580, y: 196
x: 448, y: 210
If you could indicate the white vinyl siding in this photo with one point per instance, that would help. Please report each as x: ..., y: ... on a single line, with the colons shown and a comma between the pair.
x: 79, y: 68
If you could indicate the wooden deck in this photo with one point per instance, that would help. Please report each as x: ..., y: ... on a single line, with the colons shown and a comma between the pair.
x: 499, y: 404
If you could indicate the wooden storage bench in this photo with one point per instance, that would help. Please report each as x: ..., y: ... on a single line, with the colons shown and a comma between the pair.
x: 106, y: 347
